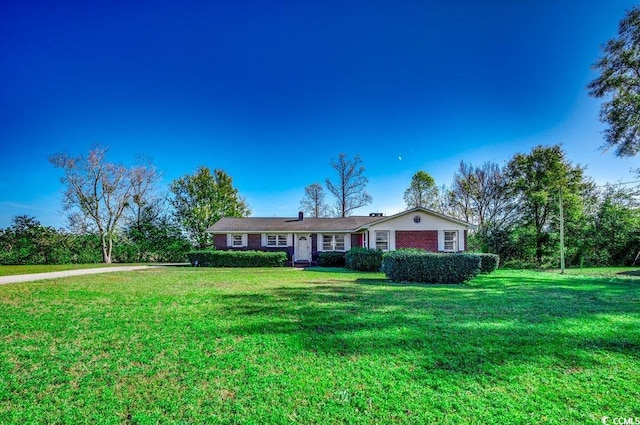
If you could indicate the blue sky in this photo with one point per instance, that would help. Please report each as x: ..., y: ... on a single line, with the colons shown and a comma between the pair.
x: 272, y: 91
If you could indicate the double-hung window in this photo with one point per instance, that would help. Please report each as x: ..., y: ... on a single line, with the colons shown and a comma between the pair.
x: 277, y: 240
x: 382, y: 240
x: 333, y: 243
x: 451, y: 240
x: 237, y: 240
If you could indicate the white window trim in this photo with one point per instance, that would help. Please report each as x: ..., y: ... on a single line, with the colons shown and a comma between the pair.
x: 456, y: 242
x: 230, y: 240
x: 375, y: 239
x: 265, y: 239
x: 347, y: 241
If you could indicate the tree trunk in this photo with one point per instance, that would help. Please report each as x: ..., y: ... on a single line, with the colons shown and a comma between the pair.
x: 539, y: 250
x: 106, y: 250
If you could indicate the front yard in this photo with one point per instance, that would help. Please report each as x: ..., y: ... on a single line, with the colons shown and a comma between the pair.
x: 192, y: 345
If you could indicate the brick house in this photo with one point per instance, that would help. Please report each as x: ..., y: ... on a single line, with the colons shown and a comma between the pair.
x: 303, y: 238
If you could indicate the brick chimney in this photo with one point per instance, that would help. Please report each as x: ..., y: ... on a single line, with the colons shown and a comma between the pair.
x: 300, y: 216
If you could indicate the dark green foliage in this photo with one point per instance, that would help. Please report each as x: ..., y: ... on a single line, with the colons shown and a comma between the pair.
x: 331, y: 259
x: 28, y: 242
x: 160, y: 241
x: 210, y: 258
x: 427, y: 267
x: 488, y: 262
x: 201, y: 199
x: 364, y: 259
x: 618, y: 85
x: 536, y: 180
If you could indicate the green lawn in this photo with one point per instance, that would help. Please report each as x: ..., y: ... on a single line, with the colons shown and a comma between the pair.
x: 44, y: 268
x: 195, y: 345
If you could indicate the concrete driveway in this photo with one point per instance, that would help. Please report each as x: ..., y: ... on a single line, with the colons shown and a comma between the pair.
x: 54, y: 275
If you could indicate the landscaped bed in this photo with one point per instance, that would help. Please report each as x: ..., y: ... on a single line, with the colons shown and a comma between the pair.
x: 197, y: 345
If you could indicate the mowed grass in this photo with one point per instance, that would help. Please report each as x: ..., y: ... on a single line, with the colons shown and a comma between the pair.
x: 195, y: 345
x: 10, y: 270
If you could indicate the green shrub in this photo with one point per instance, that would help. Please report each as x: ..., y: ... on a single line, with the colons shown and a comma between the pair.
x: 331, y: 259
x: 488, y: 262
x: 209, y: 258
x: 428, y: 267
x: 364, y: 259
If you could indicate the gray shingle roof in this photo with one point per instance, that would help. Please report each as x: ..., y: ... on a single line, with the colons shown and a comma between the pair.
x: 290, y: 224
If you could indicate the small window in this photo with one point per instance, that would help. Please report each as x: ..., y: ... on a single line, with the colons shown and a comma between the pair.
x: 236, y: 240
x: 382, y: 240
x: 327, y: 242
x: 277, y: 240
x: 450, y: 240
x: 334, y: 243
x: 416, y: 219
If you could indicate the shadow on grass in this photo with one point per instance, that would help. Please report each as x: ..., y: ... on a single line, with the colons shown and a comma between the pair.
x: 635, y: 273
x: 462, y: 328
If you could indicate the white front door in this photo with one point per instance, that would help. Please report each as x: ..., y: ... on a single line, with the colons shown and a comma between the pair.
x: 303, y: 248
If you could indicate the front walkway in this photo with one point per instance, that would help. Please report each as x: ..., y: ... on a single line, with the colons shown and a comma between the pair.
x: 66, y: 273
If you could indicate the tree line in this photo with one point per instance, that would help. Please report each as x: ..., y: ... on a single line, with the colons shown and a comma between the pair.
x: 118, y: 213
x: 516, y: 208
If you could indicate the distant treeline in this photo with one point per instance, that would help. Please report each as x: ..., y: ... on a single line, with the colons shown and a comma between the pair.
x: 29, y: 242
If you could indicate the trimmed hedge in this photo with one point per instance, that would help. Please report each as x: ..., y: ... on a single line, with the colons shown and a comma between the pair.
x: 331, y: 259
x: 364, y: 259
x: 429, y: 267
x: 209, y: 258
x: 488, y: 262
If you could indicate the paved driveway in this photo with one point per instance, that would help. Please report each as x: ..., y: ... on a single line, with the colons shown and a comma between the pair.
x: 54, y: 275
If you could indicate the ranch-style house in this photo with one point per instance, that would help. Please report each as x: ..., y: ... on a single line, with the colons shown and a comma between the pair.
x: 304, y: 237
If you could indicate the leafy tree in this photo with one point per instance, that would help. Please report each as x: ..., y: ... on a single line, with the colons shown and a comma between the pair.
x: 535, y: 182
x: 613, y: 234
x: 349, y: 187
x: 99, y: 191
x: 422, y: 191
x: 619, y: 84
x: 29, y: 242
x: 202, y: 199
x: 313, y: 202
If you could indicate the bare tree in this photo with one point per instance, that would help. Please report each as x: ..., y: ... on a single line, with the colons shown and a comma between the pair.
x: 313, y: 202
x: 349, y: 187
x: 99, y: 192
x: 479, y: 195
x: 145, y: 203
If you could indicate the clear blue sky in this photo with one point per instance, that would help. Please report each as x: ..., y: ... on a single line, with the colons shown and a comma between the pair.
x: 271, y: 91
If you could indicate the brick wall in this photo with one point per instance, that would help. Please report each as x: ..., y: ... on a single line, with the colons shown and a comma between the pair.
x: 220, y: 241
x: 424, y: 239
x: 254, y: 241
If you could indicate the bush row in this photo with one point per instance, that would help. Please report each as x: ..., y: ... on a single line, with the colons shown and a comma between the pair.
x: 211, y: 258
x: 331, y: 259
x: 364, y: 259
x: 427, y: 267
x: 488, y: 262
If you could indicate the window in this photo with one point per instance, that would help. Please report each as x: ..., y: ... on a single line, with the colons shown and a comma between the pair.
x: 277, y: 240
x: 236, y: 240
x: 333, y: 243
x: 450, y: 240
x: 382, y: 240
